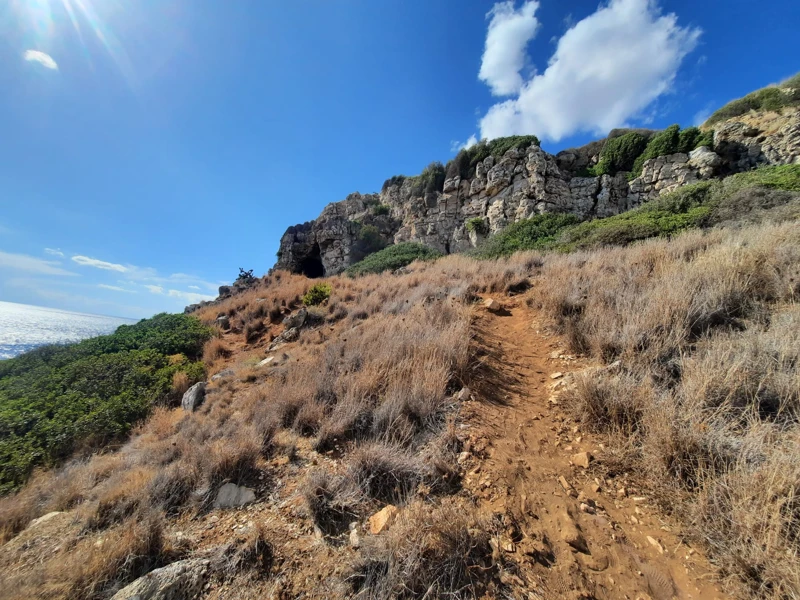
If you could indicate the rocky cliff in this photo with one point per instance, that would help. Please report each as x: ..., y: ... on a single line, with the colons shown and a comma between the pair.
x: 519, y: 184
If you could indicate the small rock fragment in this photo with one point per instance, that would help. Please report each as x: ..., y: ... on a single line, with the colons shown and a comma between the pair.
x: 492, y: 305
x: 582, y: 459
x: 382, y: 519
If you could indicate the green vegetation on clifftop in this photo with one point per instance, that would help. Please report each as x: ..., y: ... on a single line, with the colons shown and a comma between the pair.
x: 57, y: 399
x: 393, y: 257
x: 774, y: 97
x: 769, y: 192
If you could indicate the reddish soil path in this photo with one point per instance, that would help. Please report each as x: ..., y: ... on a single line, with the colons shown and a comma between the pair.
x: 589, y: 539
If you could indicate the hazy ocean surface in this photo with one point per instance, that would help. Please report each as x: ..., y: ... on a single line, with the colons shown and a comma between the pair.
x: 23, y: 327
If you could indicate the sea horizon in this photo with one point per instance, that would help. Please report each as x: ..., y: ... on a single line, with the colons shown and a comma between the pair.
x: 24, y: 327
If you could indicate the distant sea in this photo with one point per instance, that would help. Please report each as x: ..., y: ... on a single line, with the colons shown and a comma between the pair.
x: 24, y: 327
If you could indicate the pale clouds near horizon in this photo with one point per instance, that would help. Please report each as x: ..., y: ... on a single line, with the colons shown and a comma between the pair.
x: 42, y: 58
x: 606, y: 69
x: 31, y: 264
x: 53, y: 252
x: 85, y: 261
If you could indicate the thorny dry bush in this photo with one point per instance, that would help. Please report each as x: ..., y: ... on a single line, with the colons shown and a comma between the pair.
x: 706, y: 402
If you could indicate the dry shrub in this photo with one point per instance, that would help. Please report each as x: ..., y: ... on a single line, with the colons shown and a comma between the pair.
x: 750, y: 518
x: 180, y: 384
x: 608, y: 404
x: 92, y: 569
x: 385, y: 473
x: 331, y: 500
x: 120, y: 497
x: 214, y: 350
x: 440, y: 552
x: 251, y: 549
x: 706, y: 403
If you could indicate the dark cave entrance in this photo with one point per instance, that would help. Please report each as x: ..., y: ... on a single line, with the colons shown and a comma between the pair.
x: 312, y: 266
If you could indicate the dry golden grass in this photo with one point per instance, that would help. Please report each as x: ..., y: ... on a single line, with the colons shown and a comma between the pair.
x: 706, y: 402
x: 704, y: 405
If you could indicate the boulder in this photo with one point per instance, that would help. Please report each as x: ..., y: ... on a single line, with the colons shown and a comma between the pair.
x: 44, y: 519
x: 194, y: 397
x: 182, y: 580
x: 382, y: 520
x: 224, y: 322
x: 296, y: 320
x: 222, y: 374
x: 231, y: 495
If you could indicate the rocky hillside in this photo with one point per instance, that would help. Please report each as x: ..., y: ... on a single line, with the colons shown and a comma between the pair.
x: 453, y: 209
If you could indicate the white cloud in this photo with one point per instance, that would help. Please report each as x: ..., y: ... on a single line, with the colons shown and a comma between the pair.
x: 98, y: 264
x: 455, y: 145
x: 115, y: 288
x: 40, y: 57
x: 53, y: 252
x: 606, y: 69
x: 156, y: 289
x: 31, y: 264
x: 194, y: 287
x: 504, y: 56
x: 190, y: 297
x: 701, y: 116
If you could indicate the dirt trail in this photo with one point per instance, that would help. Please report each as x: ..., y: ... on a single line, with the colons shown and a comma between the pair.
x: 568, y: 533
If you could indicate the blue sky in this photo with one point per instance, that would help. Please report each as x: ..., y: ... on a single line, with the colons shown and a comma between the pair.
x: 148, y: 149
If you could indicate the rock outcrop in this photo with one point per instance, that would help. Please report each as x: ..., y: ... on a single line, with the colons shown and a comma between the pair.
x: 182, y: 580
x: 518, y: 185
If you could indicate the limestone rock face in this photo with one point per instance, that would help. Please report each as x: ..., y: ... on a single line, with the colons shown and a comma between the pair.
x: 182, y: 580
x: 522, y: 183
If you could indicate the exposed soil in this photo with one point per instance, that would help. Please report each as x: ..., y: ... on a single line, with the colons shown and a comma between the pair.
x: 569, y: 532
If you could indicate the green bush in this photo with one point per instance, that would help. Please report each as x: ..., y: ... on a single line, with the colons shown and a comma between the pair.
x: 56, y: 399
x: 663, y: 143
x: 477, y: 225
x: 318, y: 294
x: 536, y: 233
x: 620, y: 153
x: 393, y: 180
x: 430, y: 180
x: 393, y: 257
x: 380, y: 209
x: 769, y: 98
x: 370, y: 239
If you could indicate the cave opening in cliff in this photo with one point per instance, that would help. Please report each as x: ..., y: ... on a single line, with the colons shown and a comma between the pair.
x: 312, y: 266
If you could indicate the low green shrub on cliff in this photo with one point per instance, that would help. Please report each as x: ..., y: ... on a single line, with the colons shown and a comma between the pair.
x: 769, y: 193
x: 477, y: 225
x: 56, y: 399
x: 629, y: 152
x: 773, y: 97
x: 393, y: 257
x: 701, y: 204
x: 536, y: 233
x: 620, y: 153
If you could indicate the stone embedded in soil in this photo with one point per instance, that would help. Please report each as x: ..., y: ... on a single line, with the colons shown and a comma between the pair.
x: 231, y: 495
x: 571, y: 534
x: 382, y: 520
x: 564, y: 483
x: 464, y: 394
x: 557, y: 375
x: 582, y: 459
x: 492, y: 305
x: 177, y: 581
